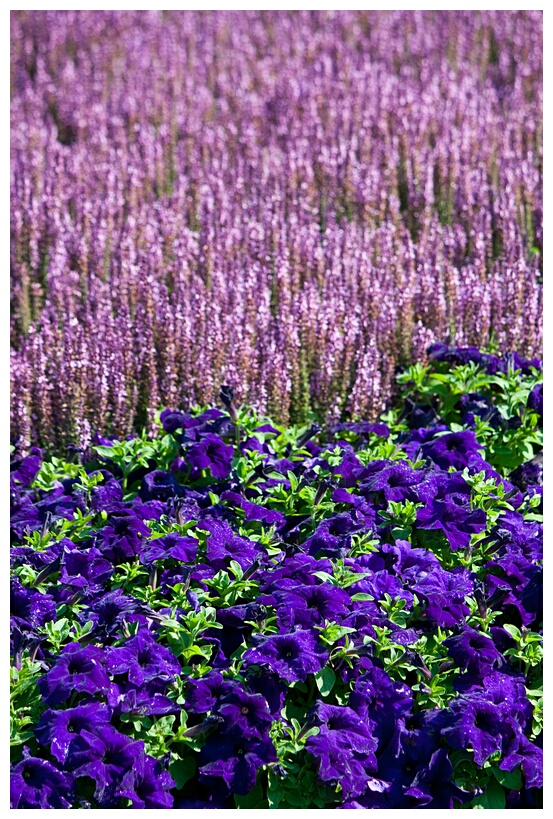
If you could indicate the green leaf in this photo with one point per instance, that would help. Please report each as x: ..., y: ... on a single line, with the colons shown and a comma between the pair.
x: 534, y: 692
x: 492, y: 798
x: 275, y: 791
x: 236, y: 569
x: 182, y: 770
x: 324, y: 576
x: 297, y: 799
x: 105, y: 451
x: 512, y: 780
x: 251, y: 800
x: 399, y: 533
x: 293, y: 480
x: 512, y: 630
x: 325, y: 680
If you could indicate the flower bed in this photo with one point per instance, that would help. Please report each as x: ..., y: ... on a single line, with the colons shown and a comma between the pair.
x: 237, y: 614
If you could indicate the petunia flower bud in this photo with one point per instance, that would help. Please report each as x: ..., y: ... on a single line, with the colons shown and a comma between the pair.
x: 307, y: 435
x: 227, y: 397
x: 209, y: 722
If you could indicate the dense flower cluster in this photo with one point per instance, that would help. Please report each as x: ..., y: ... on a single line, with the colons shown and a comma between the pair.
x: 290, y: 203
x: 236, y: 614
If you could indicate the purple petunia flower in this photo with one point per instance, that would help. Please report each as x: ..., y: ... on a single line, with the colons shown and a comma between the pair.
x: 432, y: 786
x: 508, y: 693
x: 158, y: 485
x: 127, y: 699
x: 76, y: 669
x: 412, y: 442
x: 530, y: 757
x: 111, y: 610
x: 294, y: 571
x: 444, y: 594
x: 451, y: 516
x: 210, y: 453
x: 120, y: 540
x: 237, y: 625
x: 529, y: 474
x: 175, y: 546
x: 381, y: 701
x: 30, y: 608
x: 405, y: 756
x: 474, y: 404
x: 535, y: 400
x: 474, y: 652
x: 453, y: 449
x: 24, y: 470
x: 254, y: 511
x: 307, y: 606
x: 270, y: 685
x: 223, y: 545
x: 363, y: 428
x: 344, y: 748
x: 147, y: 785
x: 394, y: 481
x: 85, y: 569
x: 380, y: 584
x: 418, y: 415
x: 475, y: 724
x: 235, y: 759
x: 54, y: 505
x: 172, y: 420
x: 247, y: 712
x: 351, y: 470
x: 57, y: 729
x: 292, y: 656
x: 517, y: 362
x: 142, y: 658
x: 332, y: 537
x: 104, y: 756
x: 36, y: 783
x: 464, y: 355
x: 412, y: 564
x: 106, y: 494
x: 204, y: 694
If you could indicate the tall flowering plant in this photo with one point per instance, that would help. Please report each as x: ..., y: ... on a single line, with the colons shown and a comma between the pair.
x: 290, y: 203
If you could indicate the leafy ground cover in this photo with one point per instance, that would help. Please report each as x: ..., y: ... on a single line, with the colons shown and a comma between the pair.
x: 239, y: 614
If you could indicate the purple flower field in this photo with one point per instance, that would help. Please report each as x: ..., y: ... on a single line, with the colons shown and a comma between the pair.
x: 276, y: 410
x: 291, y: 203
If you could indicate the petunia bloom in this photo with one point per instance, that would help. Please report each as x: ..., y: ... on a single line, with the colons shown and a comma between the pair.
x: 76, y: 669
x: 104, y: 756
x: 456, y: 521
x: 292, y: 656
x: 142, y: 659
x: 57, y: 728
x: 36, y: 783
x: 235, y: 759
x: 344, y: 747
x: 147, y: 785
x: 210, y: 453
